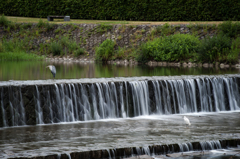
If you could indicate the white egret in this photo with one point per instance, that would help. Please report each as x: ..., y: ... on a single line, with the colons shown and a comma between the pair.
x: 52, y: 69
x: 186, y: 120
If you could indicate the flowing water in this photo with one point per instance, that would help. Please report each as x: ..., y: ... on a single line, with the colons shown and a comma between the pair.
x: 75, y: 114
x: 207, y: 128
x: 119, y: 98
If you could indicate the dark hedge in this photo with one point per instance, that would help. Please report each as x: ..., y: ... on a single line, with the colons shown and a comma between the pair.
x: 149, y: 10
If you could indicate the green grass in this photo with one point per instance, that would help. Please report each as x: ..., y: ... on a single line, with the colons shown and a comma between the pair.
x: 105, y: 22
x: 19, y: 56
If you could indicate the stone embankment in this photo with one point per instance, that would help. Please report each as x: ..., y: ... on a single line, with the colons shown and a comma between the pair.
x: 150, y: 63
x: 89, y: 36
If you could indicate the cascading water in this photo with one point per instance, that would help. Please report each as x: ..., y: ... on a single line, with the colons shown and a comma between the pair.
x: 81, y: 102
x: 4, y: 118
x: 210, y: 145
x: 38, y: 109
x: 185, y: 147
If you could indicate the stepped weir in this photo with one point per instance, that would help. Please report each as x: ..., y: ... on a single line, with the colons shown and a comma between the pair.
x: 118, y: 117
x: 44, y: 102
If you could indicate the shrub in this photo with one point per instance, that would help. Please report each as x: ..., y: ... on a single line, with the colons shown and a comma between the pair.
x: 56, y: 48
x: 12, y: 45
x: 72, y: 45
x: 232, y: 56
x: 230, y: 29
x: 49, y: 26
x: 25, y: 26
x: 169, y: 48
x: 40, y: 23
x: 120, y: 53
x: 4, y: 21
x: 1, y: 46
x: 79, y: 51
x: 214, y: 49
x: 105, y: 50
x: 102, y: 28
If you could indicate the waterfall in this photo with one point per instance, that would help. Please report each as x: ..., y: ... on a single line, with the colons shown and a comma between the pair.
x: 68, y: 102
x: 4, y: 118
x: 17, y: 110
x: 184, y: 147
x: 210, y: 145
x: 140, y: 97
x: 38, y: 109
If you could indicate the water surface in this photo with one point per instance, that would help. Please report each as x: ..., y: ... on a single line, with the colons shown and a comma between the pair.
x: 117, y: 133
x: 36, y: 70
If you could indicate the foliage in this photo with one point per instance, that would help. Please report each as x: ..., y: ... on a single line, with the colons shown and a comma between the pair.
x: 232, y: 56
x: 79, y: 51
x: 141, y: 10
x: 13, y: 45
x: 56, y: 48
x: 175, y: 47
x: 19, y: 55
x: 214, y: 49
x: 49, y: 26
x: 102, y: 28
x: 4, y: 21
x: 229, y: 28
x: 105, y: 50
x: 41, y: 23
x: 25, y: 26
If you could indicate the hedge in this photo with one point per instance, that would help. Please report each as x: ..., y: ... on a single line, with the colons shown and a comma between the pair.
x: 144, y: 10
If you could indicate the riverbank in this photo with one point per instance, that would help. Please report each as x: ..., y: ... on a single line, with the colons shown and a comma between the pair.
x: 69, y: 59
x: 130, y: 44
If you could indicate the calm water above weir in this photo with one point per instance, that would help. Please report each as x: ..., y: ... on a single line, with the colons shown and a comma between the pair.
x: 116, y: 133
x: 32, y: 70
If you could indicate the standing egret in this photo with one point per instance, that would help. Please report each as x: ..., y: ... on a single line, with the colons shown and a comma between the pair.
x: 52, y: 69
x: 186, y: 120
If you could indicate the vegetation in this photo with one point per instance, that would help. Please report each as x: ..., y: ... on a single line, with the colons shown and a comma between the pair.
x: 162, y: 43
x: 230, y: 29
x: 177, y: 47
x: 214, y: 49
x: 175, y: 10
x: 20, y: 56
x: 105, y: 50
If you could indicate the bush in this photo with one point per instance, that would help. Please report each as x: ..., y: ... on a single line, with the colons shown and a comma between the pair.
x: 4, y: 21
x: 230, y: 29
x: 56, y: 48
x: 13, y: 45
x: 41, y: 24
x: 49, y: 26
x: 105, y: 50
x: 232, y: 56
x: 79, y: 51
x: 214, y: 49
x: 176, y: 47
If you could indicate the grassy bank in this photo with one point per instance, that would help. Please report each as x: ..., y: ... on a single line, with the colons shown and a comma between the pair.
x: 19, y: 56
x: 211, y: 42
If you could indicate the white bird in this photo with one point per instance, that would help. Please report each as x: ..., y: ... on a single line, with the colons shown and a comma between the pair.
x: 186, y: 120
x: 52, y: 69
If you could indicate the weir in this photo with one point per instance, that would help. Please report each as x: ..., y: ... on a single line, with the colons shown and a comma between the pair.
x: 54, y: 101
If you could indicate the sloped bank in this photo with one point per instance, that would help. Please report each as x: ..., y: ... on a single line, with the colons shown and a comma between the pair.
x: 79, y: 41
x: 89, y: 36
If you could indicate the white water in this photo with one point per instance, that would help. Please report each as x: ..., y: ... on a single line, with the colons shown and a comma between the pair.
x: 72, y: 102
